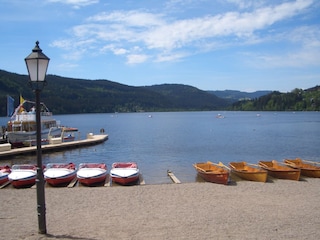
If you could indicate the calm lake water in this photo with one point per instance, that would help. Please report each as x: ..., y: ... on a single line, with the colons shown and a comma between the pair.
x: 176, y: 140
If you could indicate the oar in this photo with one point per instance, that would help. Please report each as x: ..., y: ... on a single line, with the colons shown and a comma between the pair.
x: 311, y: 162
x: 291, y: 164
x: 262, y: 164
x: 252, y: 164
x: 222, y: 165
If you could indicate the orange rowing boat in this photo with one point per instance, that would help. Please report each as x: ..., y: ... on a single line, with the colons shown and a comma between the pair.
x: 277, y: 170
x: 307, y: 168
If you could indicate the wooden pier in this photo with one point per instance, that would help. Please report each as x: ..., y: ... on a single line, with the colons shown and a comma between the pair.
x: 90, y: 140
x: 173, y: 177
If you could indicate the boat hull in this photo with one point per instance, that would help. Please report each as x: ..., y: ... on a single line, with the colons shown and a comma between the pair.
x: 252, y: 176
x: 212, y: 173
x: 60, y: 181
x: 278, y: 171
x: 125, y: 173
x: 310, y: 173
x: 21, y: 137
x: 4, y: 172
x: 22, y: 178
x: 125, y: 180
x: 91, y: 176
x: 247, y: 172
x: 307, y: 169
x: 290, y: 175
x: 24, y: 183
x: 215, y: 178
x: 59, y: 174
x: 3, y: 177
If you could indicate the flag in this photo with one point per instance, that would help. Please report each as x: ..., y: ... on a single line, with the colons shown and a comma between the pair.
x: 21, y: 99
x: 10, y: 106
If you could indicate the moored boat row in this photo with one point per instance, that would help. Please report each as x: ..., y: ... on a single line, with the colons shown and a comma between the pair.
x: 127, y: 173
x: 290, y: 169
x: 62, y: 174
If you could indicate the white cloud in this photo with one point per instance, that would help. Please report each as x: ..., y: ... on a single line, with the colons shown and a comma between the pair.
x: 75, y: 49
x: 183, y: 32
x: 136, y: 58
x: 129, y: 18
x: 67, y: 66
x: 114, y: 49
x: 296, y: 59
x: 243, y: 4
x: 122, y: 31
x: 75, y: 3
x: 302, y: 50
x: 170, y: 57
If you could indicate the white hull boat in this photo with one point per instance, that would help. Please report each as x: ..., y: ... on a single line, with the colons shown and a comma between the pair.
x: 90, y: 174
x: 125, y: 173
x: 22, y: 125
x: 23, y: 175
x: 59, y: 174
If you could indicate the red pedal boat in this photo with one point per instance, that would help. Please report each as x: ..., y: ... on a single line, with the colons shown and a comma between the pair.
x: 124, y: 173
x: 91, y: 174
x: 4, y: 172
x: 59, y: 174
x: 23, y: 175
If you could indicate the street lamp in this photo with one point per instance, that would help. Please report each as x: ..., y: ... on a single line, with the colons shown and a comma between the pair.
x: 37, y: 64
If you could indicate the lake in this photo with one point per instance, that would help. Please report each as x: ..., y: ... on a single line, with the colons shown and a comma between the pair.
x: 175, y: 140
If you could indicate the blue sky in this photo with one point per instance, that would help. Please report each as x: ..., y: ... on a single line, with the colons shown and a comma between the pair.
x: 242, y: 45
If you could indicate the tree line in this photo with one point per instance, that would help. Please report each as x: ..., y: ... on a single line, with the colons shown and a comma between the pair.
x: 71, y: 96
x: 296, y: 100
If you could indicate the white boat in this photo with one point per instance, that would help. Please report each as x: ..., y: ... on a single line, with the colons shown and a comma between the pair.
x: 219, y: 115
x: 23, y: 175
x: 45, y: 141
x: 22, y: 125
x: 90, y: 174
x: 59, y: 174
x: 124, y: 173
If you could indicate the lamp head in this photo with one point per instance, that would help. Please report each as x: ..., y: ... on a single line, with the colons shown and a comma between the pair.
x: 37, y: 64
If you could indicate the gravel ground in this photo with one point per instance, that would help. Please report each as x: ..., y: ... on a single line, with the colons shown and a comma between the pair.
x: 278, y: 209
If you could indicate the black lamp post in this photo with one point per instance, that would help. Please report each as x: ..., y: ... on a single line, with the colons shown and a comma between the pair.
x: 37, y: 64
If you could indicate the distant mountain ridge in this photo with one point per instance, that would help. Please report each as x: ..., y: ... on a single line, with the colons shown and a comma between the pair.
x: 235, y: 96
x: 68, y: 96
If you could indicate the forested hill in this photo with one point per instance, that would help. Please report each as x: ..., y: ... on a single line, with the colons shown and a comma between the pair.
x: 188, y: 97
x: 235, y: 96
x: 68, y: 96
x: 296, y: 100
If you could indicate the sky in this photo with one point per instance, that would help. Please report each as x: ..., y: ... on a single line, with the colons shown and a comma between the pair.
x: 245, y: 45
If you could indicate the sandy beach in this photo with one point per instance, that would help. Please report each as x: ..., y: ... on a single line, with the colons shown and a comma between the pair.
x: 278, y: 209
